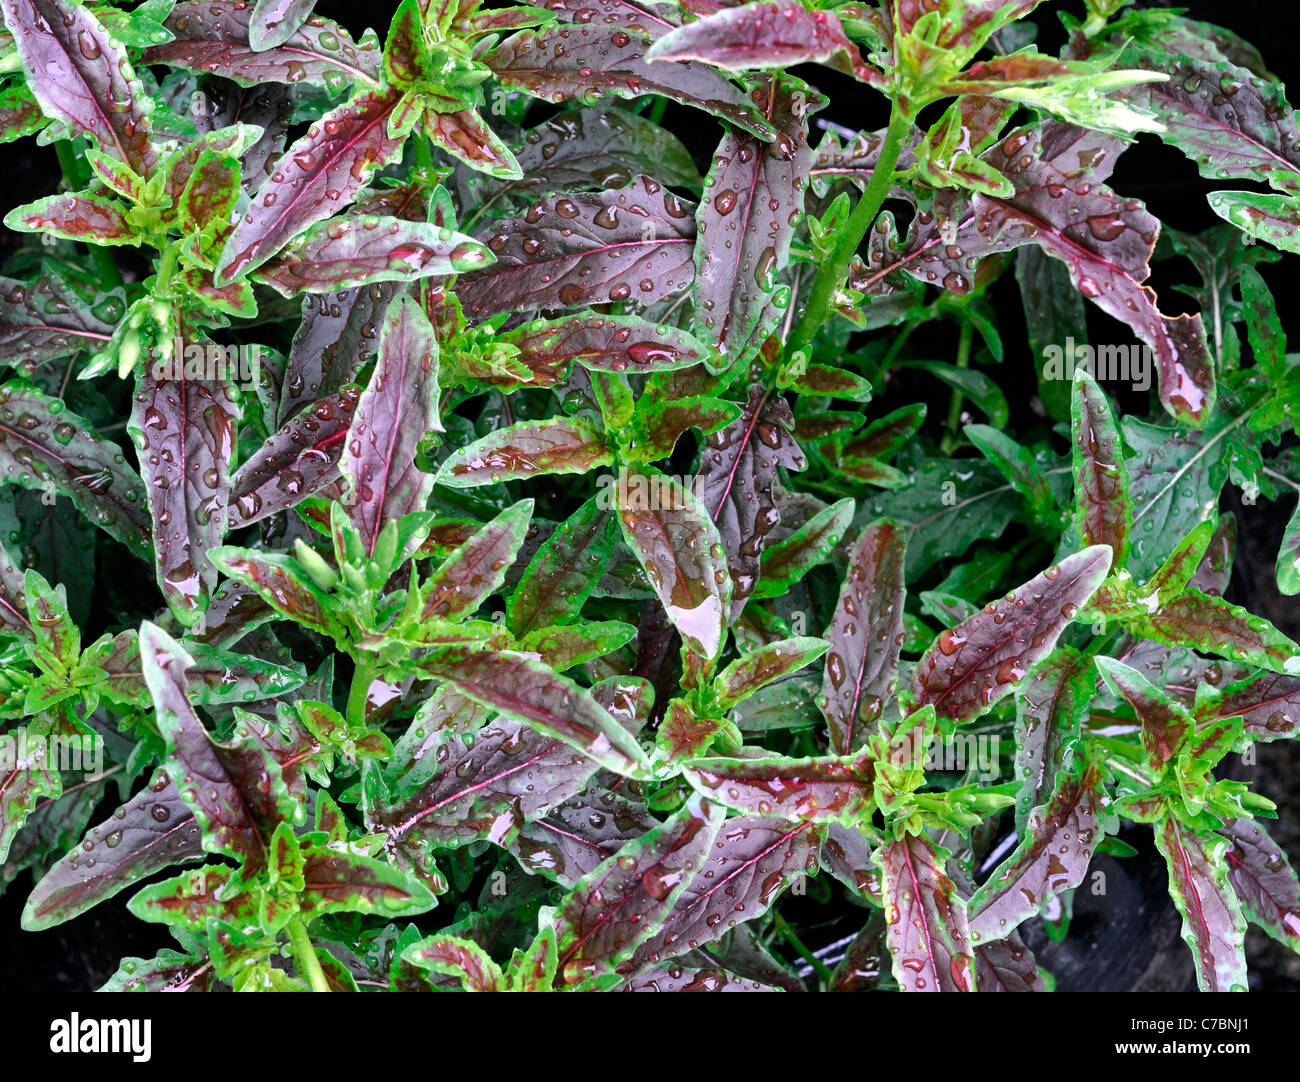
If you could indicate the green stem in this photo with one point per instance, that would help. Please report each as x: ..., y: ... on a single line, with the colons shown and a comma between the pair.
x: 76, y: 174
x: 362, y: 677
x: 834, y: 270
x: 955, y: 404
x: 891, y: 354
x: 791, y: 937
x: 656, y: 114
x: 1280, y: 477
x: 304, y: 956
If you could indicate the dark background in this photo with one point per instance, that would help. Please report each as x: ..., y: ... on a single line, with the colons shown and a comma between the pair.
x: 1128, y: 940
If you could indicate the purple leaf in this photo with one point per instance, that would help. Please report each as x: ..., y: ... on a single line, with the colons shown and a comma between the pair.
x: 965, y: 25
x: 349, y: 883
x: 1007, y: 965
x: 765, y: 35
x: 752, y: 861
x: 46, y: 319
x: 338, y: 336
x: 527, y: 449
x: 574, y: 836
x: 345, y: 252
x: 168, y: 971
x: 1104, y: 239
x: 154, y: 830
x: 678, y: 978
x: 317, y: 175
x: 460, y: 958
x: 489, y: 785
x: 846, y: 854
x: 865, y: 638
x: 600, y: 147
x: 653, y: 18
x: 825, y: 790
x: 266, y: 106
x: 973, y: 665
x: 1228, y: 120
x: 81, y: 76
x: 235, y: 611
x: 929, y: 938
x: 583, y: 248
x: 397, y: 408
x: 603, y: 343
x: 753, y: 200
x: 1267, y: 703
x: 1053, y: 855
x: 294, y: 462
x: 274, y: 22
x: 237, y: 792
x: 185, y: 432
x: 477, y: 568
x: 560, y: 64
x: 681, y: 552
x: 1271, y: 218
x: 1213, y: 925
x: 1263, y: 880
x: 521, y: 688
x: 620, y: 904
x: 42, y: 441
x: 187, y: 900
x: 738, y: 465
x: 214, y: 37
x: 29, y: 771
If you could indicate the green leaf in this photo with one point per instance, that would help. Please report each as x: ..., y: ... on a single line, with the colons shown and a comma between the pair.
x: 527, y: 449
x: 788, y: 561
x: 559, y: 579
x: 1288, y: 556
x: 477, y: 568
x: 949, y: 505
x: 1017, y: 464
x: 760, y: 667
x: 978, y: 386
x: 460, y: 958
